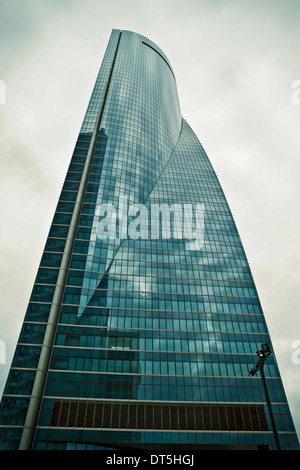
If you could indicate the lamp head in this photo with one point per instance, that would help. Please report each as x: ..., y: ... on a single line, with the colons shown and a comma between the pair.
x: 264, y: 351
x: 265, y: 348
x: 260, y: 354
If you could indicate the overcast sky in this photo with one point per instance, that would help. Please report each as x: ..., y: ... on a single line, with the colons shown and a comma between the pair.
x: 235, y: 62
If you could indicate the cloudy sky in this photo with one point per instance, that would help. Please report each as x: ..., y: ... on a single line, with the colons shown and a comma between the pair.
x: 235, y: 62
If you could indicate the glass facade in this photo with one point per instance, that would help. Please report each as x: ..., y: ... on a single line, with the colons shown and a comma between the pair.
x: 137, y: 339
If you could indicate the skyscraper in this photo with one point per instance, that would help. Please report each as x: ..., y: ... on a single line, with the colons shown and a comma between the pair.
x: 144, y: 319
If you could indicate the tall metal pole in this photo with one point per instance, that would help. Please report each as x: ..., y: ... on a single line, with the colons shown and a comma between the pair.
x: 260, y: 365
x: 263, y: 354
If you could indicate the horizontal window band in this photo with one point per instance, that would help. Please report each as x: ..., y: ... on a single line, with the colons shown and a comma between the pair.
x: 157, y: 416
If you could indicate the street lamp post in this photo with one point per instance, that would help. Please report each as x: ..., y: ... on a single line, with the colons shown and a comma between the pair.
x: 263, y: 354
